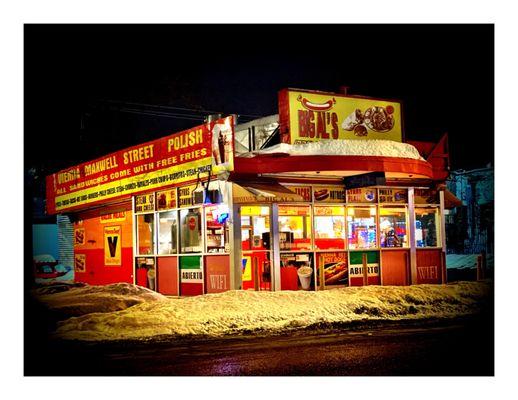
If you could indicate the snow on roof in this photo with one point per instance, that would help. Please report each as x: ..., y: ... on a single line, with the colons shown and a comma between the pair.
x: 240, y: 311
x: 380, y: 148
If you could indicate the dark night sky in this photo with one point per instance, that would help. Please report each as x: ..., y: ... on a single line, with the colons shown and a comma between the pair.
x: 443, y: 74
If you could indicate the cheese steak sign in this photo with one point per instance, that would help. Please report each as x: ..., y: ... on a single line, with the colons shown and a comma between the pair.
x: 167, y: 161
x: 306, y: 116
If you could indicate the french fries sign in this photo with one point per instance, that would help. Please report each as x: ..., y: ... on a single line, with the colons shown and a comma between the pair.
x: 163, y: 162
x: 312, y: 116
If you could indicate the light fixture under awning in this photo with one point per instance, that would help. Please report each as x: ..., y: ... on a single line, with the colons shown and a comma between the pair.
x: 264, y: 193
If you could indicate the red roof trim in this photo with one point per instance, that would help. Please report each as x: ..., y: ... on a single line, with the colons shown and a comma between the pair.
x: 270, y: 165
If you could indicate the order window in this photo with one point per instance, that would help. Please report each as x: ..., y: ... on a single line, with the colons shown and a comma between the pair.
x: 361, y: 224
x: 294, y: 227
x: 255, y: 228
x: 329, y: 227
x: 216, y: 220
x: 427, y: 227
x: 146, y: 233
x: 393, y: 227
x: 167, y: 232
x: 190, y: 237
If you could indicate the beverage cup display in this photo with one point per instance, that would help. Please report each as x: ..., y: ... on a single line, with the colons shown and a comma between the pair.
x: 304, y: 274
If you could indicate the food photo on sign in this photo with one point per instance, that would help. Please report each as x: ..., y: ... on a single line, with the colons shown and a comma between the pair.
x: 222, y: 145
x: 315, y: 116
x: 332, y: 270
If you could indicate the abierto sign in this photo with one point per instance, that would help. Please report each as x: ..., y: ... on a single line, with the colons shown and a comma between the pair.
x: 167, y: 161
x: 306, y: 116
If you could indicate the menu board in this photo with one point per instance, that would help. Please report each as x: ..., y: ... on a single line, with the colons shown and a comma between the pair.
x: 145, y: 203
x: 303, y: 191
x: 393, y: 195
x: 329, y: 210
x: 294, y: 210
x: 362, y: 195
x: 185, y: 196
x: 426, y: 196
x: 166, y: 199
x: 329, y: 194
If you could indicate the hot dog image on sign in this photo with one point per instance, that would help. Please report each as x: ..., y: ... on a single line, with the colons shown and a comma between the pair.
x: 112, y: 245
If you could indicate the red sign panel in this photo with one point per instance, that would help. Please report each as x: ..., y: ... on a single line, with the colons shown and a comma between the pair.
x: 217, y: 273
x: 429, y: 266
x: 162, y: 162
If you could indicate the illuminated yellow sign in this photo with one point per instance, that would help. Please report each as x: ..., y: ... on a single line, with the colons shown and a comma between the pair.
x: 310, y: 117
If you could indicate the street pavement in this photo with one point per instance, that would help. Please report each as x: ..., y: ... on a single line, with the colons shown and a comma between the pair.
x: 463, y: 347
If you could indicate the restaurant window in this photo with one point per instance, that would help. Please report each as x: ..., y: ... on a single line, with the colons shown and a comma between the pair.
x: 361, y: 224
x: 255, y: 228
x: 167, y: 232
x: 216, y: 219
x: 294, y: 227
x: 146, y: 233
x: 190, y: 232
x: 393, y: 227
x: 329, y: 227
x: 427, y: 227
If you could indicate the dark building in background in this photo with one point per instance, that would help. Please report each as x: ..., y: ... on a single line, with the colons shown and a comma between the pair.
x: 470, y: 228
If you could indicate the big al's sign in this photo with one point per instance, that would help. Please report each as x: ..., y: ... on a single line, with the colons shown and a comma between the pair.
x: 167, y: 161
x: 312, y: 116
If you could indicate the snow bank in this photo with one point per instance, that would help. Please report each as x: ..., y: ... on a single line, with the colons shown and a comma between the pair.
x: 241, y: 311
x: 380, y: 148
x: 99, y: 299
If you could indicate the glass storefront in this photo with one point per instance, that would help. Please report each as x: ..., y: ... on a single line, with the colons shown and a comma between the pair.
x: 190, y: 232
x: 294, y: 227
x: 216, y: 228
x: 361, y: 224
x: 315, y: 240
x: 256, y: 272
x: 145, y: 234
x: 427, y: 227
x: 393, y: 227
x: 167, y: 232
x: 329, y: 227
x: 255, y: 228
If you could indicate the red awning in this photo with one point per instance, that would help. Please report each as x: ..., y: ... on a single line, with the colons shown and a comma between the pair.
x: 303, y: 164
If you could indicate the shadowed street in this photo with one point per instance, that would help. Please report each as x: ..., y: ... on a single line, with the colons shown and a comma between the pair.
x: 455, y: 348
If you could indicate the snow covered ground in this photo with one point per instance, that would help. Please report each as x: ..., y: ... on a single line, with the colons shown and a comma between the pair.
x: 239, y: 311
x: 344, y: 147
x: 77, y: 301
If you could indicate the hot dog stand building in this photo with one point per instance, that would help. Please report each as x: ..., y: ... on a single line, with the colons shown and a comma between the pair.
x: 325, y: 194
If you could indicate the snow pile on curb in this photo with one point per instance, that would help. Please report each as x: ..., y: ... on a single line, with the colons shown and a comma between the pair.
x: 96, y: 299
x: 241, y: 311
x: 344, y: 147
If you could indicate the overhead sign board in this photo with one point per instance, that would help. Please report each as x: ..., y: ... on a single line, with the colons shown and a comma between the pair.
x: 364, y: 180
x: 163, y: 162
x: 306, y: 116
